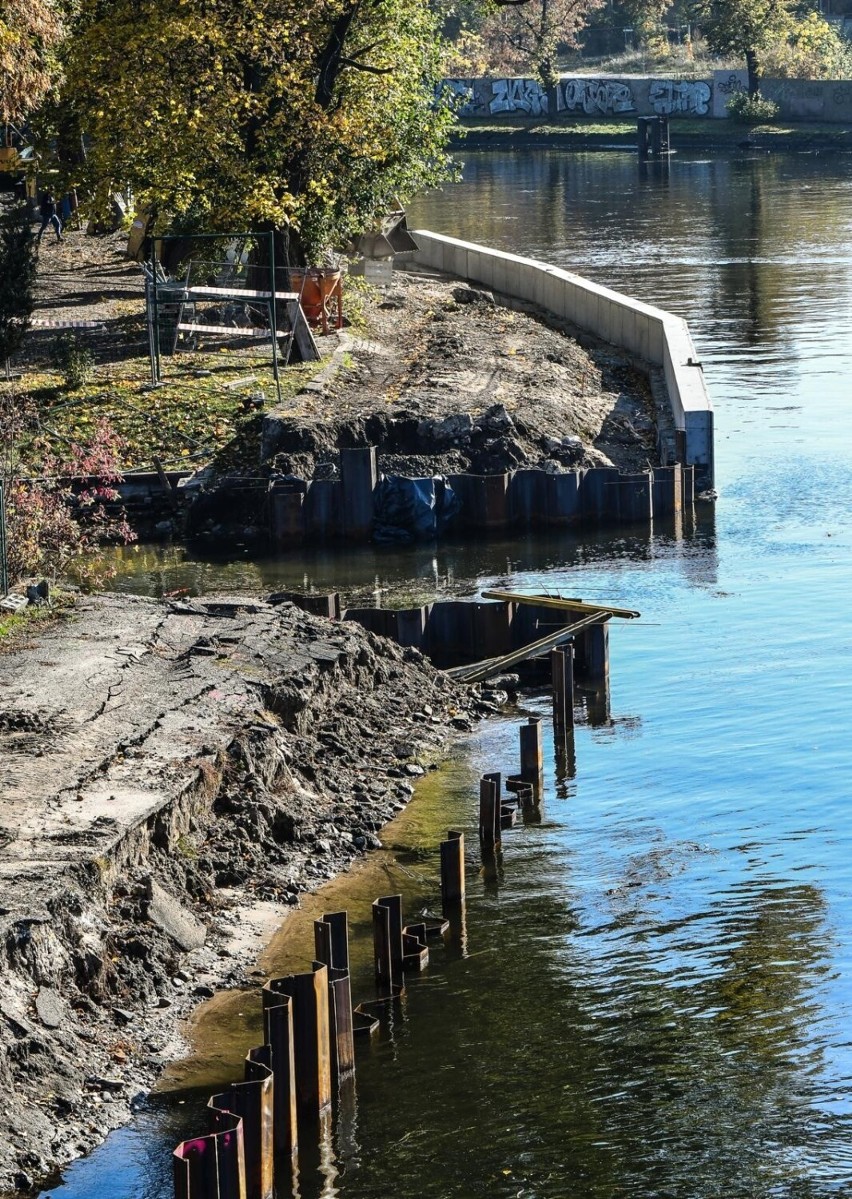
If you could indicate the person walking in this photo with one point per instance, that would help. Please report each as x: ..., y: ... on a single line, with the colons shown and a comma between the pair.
x: 49, y: 215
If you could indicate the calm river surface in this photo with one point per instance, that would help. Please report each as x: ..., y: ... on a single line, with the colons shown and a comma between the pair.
x: 656, y: 997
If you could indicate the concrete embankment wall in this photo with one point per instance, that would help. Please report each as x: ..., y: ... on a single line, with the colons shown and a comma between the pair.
x: 629, y: 96
x: 649, y: 334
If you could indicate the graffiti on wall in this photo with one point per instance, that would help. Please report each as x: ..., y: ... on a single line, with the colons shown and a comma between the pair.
x: 589, y: 96
x: 518, y: 95
x: 606, y: 96
x: 463, y: 96
x: 670, y: 96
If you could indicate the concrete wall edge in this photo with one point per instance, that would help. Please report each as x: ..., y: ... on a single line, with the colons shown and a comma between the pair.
x: 642, y: 330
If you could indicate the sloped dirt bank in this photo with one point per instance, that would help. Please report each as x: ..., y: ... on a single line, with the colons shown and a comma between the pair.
x: 171, y: 774
x: 450, y: 378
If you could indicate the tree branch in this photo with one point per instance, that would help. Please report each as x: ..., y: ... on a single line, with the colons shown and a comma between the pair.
x: 362, y: 66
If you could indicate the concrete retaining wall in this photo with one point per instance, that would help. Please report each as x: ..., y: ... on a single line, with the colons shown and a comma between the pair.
x: 584, y: 95
x: 650, y: 334
x: 630, y: 96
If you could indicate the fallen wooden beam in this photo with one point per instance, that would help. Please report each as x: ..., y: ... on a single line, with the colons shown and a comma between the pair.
x: 477, y: 672
x: 556, y: 601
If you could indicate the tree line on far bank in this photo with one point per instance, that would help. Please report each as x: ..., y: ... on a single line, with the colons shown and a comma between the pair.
x: 310, y: 117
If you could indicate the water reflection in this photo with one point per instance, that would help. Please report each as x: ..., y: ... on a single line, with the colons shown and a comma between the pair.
x: 410, y: 575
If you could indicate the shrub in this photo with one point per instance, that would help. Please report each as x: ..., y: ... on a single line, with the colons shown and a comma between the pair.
x: 69, y: 508
x: 751, y: 110
x: 76, y: 362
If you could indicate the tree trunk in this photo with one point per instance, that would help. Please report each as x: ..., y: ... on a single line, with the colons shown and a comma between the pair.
x: 288, y: 252
x: 753, y: 72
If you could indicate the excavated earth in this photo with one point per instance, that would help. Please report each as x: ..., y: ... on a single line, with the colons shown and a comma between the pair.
x: 449, y: 378
x: 172, y: 776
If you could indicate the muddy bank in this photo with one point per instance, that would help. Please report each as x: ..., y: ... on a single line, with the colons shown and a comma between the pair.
x: 450, y: 379
x: 173, y: 776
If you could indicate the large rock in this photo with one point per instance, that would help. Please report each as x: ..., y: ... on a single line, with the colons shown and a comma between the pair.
x: 172, y: 917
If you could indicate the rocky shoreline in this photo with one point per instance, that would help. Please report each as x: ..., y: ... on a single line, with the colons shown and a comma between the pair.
x: 188, y: 770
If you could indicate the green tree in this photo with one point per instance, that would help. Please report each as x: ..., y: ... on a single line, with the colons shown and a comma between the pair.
x: 303, y: 118
x: 17, y: 279
x: 29, y: 33
x: 526, y: 38
x: 744, y: 28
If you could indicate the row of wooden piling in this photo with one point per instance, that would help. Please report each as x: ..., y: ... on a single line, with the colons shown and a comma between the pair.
x: 303, y: 510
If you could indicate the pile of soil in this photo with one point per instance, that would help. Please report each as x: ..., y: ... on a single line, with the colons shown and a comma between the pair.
x: 191, y: 766
x: 450, y: 378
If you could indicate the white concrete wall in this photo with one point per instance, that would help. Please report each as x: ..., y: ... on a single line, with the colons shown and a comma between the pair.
x: 646, y: 332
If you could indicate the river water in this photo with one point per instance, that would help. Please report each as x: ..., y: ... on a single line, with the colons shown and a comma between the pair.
x: 655, y: 996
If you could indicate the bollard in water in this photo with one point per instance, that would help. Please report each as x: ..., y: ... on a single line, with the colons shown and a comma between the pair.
x: 532, y: 753
x: 452, y: 872
x: 331, y: 940
x: 489, y: 809
x: 311, y: 1041
x: 278, y: 1032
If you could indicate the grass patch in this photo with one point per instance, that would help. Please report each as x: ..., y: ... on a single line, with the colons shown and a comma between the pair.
x: 192, y: 419
x: 17, y: 628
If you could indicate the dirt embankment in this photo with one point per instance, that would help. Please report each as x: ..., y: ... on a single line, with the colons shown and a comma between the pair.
x: 172, y: 776
x: 448, y: 380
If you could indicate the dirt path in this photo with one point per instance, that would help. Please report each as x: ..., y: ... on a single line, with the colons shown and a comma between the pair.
x: 438, y: 375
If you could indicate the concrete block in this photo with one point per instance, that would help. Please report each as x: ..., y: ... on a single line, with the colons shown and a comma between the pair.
x: 172, y: 917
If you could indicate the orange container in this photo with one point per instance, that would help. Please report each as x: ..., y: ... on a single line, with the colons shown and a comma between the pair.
x: 321, y: 291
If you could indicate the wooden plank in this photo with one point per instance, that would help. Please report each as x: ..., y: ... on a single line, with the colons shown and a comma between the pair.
x: 477, y: 672
x: 556, y: 601
x: 231, y: 330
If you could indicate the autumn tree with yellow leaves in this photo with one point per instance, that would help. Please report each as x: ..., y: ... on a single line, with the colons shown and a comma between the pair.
x: 306, y: 117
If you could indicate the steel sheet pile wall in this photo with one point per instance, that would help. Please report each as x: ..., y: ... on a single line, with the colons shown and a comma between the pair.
x: 322, y: 509
x: 292, y: 1081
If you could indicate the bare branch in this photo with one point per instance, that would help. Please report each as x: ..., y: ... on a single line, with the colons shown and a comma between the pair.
x: 363, y: 66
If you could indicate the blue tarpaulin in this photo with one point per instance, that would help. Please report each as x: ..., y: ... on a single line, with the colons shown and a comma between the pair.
x: 412, y: 509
